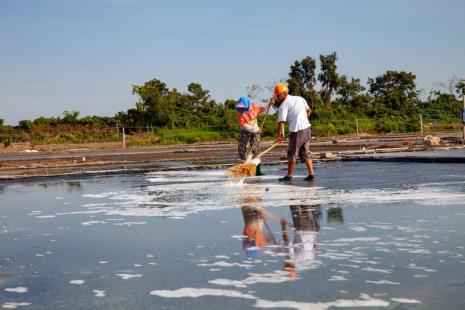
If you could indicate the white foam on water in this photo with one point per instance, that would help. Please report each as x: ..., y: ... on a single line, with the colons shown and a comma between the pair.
x: 177, y: 194
x: 406, y: 301
x: 19, y: 289
x: 254, y: 278
x: 358, y: 228
x: 14, y: 305
x: 364, y: 301
x: 44, y: 216
x: 222, y: 256
x: 337, y: 278
x: 425, y: 269
x: 103, y: 262
x: 127, y: 276
x: 358, y: 239
x: 90, y: 223
x: 383, y: 282
x: 377, y: 270
x: 99, y: 293
x: 200, y: 292
x: 129, y: 224
x: 102, y: 195
x: 77, y: 282
x: 225, y: 264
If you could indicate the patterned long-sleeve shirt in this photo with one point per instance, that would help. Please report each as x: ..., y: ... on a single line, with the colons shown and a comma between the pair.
x: 248, y: 120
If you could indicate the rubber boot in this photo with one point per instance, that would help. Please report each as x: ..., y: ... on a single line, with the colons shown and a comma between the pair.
x: 258, y: 171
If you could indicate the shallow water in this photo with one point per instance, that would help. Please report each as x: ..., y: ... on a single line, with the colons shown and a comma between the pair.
x: 382, y: 235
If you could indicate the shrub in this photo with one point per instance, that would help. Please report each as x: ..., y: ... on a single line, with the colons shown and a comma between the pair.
x: 6, y: 140
x: 25, y: 124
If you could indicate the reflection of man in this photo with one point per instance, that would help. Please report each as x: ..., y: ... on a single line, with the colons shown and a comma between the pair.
x: 255, y: 239
x: 335, y: 215
x: 255, y: 225
x: 303, y: 247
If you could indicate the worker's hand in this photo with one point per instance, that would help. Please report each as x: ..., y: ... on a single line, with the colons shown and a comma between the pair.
x: 272, y: 101
x: 309, y: 112
x: 280, y: 139
x: 260, y: 131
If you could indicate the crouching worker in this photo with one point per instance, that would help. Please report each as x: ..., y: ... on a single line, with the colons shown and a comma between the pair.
x: 249, y: 140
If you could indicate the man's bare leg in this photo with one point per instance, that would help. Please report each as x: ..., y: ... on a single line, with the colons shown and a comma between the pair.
x: 290, y: 167
x: 309, y: 164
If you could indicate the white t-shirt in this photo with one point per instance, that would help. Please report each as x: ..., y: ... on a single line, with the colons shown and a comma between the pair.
x: 294, y: 111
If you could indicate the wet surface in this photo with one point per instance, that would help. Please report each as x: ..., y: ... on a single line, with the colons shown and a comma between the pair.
x: 381, y: 235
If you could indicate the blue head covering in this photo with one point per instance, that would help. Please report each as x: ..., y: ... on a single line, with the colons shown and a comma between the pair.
x: 243, y: 104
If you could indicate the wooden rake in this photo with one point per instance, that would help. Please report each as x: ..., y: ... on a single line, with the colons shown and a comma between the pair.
x: 248, y: 168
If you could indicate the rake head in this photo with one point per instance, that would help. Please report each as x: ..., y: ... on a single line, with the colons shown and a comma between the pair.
x: 240, y: 171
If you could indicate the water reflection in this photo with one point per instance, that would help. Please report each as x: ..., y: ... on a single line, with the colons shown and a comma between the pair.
x: 335, y: 215
x: 303, y: 246
x: 72, y: 186
x: 257, y: 232
x: 4, y: 277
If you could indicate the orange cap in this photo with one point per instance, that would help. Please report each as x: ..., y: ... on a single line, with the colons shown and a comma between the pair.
x: 280, y: 88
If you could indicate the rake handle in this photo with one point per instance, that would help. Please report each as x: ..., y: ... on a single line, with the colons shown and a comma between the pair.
x: 260, y: 128
x: 264, y: 119
x: 268, y: 149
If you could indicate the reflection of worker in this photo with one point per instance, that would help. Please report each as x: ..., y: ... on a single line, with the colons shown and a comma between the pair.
x: 255, y: 225
x: 255, y: 239
x: 303, y: 247
x: 335, y: 215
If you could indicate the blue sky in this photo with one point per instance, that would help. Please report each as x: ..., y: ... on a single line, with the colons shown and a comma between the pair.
x: 84, y: 55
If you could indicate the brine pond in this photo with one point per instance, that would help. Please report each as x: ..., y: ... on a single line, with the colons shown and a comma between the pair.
x: 376, y: 235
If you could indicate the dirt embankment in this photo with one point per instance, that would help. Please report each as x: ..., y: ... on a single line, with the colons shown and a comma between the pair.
x: 23, y: 160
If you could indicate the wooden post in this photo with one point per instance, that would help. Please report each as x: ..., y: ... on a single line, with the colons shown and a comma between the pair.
x: 356, y: 123
x: 117, y: 131
x: 124, y: 139
x: 463, y: 118
x: 421, y: 124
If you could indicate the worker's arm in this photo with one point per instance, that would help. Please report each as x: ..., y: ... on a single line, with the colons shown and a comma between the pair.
x: 280, y: 133
x: 309, y: 112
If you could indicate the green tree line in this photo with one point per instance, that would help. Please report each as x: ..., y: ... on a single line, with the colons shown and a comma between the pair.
x: 390, y: 102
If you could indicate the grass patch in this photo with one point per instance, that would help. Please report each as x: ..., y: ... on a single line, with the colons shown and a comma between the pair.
x: 173, y: 136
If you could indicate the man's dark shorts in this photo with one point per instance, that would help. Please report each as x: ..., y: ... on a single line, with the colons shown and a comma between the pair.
x: 299, y: 144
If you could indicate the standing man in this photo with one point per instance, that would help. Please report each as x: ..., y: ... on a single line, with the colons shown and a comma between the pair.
x: 295, y: 111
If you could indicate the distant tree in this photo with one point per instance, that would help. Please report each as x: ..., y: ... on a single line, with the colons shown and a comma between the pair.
x: 25, y: 124
x: 1, y: 121
x: 70, y: 117
x: 396, y: 90
x: 302, y: 79
x: 198, y: 95
x: 352, y: 96
x: 460, y: 88
x: 328, y: 77
x: 46, y: 121
x: 151, y: 102
x: 450, y: 85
